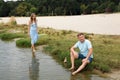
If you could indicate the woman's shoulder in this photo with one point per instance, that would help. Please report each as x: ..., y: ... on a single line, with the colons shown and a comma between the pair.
x: 30, y: 22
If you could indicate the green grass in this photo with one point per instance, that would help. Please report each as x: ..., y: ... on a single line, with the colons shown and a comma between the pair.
x: 106, y: 50
x: 26, y: 43
x: 10, y: 36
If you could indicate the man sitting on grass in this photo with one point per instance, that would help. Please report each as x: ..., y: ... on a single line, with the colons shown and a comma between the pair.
x: 85, y: 53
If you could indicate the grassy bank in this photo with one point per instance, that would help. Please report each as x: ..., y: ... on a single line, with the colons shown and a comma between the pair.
x: 26, y: 43
x: 106, y: 47
x: 10, y: 36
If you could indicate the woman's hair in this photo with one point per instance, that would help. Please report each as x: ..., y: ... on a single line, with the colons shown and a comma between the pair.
x: 33, y: 19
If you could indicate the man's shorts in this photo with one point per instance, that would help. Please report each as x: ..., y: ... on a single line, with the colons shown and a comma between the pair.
x: 80, y: 56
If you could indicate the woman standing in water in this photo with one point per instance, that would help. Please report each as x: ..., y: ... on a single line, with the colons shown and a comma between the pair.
x: 33, y: 31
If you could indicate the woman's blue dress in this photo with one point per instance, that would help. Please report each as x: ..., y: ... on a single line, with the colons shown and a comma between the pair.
x: 33, y: 33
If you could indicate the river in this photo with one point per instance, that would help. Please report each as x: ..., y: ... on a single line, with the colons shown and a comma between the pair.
x: 19, y: 64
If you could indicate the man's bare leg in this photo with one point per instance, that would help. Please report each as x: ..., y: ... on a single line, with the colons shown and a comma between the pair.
x: 73, y: 56
x: 72, y: 61
x: 81, y: 67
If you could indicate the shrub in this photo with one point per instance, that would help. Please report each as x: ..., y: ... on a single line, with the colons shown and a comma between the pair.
x: 23, y: 42
x: 10, y: 36
x: 107, y: 41
x: 12, y: 21
x: 26, y: 42
x: 42, y: 41
x: 104, y: 68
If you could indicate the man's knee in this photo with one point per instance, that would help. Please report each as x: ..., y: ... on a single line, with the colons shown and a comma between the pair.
x: 85, y: 62
x: 74, y: 55
x: 71, y: 54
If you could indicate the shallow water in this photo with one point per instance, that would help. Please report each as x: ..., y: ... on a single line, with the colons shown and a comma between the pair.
x: 19, y: 64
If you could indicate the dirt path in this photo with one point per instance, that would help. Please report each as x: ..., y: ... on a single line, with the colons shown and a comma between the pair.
x: 115, y: 74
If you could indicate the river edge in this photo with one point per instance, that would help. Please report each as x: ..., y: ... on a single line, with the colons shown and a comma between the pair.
x: 114, y: 74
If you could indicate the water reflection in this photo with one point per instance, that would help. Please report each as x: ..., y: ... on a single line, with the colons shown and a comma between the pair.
x: 19, y: 62
x: 34, y: 68
x: 80, y: 76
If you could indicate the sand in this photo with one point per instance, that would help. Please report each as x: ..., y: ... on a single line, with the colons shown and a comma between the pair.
x: 96, y: 23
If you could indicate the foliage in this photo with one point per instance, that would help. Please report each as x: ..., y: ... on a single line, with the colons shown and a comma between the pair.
x: 10, y: 36
x: 57, y: 7
x: 12, y: 21
x: 27, y: 43
x: 23, y: 9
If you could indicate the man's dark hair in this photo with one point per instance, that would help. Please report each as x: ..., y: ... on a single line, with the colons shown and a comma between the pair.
x: 79, y: 34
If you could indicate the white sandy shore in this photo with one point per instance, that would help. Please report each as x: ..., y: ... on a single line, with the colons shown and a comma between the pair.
x: 97, y: 23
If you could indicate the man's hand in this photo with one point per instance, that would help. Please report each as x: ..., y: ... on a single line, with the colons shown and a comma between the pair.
x: 72, y: 49
x: 85, y: 60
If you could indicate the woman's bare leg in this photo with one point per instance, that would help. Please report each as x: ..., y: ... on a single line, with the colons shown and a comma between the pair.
x: 33, y: 48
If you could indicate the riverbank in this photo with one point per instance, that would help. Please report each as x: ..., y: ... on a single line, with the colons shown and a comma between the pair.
x: 115, y: 74
x: 106, y: 47
x: 96, y: 23
x: 19, y: 64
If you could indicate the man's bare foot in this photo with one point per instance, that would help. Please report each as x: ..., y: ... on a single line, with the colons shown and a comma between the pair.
x: 65, y: 60
x: 72, y: 68
x: 73, y: 73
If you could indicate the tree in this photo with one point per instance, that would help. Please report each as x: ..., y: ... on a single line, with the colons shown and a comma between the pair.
x: 1, y: 2
x: 83, y: 8
x: 4, y: 9
x: 23, y: 9
x: 102, y: 7
x: 33, y: 10
x: 110, y: 7
x: 118, y: 7
x: 12, y: 6
x: 57, y: 7
x: 58, y: 11
x: 94, y: 6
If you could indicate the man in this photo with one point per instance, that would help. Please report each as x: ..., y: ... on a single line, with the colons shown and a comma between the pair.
x: 85, y: 53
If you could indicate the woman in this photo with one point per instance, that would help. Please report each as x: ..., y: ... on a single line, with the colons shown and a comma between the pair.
x: 32, y: 31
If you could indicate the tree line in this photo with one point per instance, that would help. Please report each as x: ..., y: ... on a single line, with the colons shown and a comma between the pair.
x: 57, y: 7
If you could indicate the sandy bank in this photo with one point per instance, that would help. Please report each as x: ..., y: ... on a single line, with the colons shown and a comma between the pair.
x: 98, y: 23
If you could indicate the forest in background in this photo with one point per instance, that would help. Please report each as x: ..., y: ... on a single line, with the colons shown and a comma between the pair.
x: 57, y: 7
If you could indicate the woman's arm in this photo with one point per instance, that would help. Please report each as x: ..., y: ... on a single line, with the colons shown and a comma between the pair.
x: 37, y: 26
x: 29, y: 28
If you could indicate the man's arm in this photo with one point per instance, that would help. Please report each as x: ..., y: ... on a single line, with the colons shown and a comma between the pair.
x: 72, y: 49
x: 89, y: 53
x: 90, y: 50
